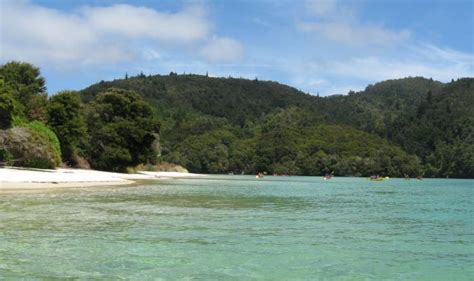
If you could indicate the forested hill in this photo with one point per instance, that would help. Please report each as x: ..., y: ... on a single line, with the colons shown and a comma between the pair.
x: 237, y: 100
x: 411, y: 126
x: 220, y: 125
x: 380, y: 104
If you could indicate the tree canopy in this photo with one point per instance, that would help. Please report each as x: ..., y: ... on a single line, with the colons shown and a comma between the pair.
x: 114, y: 131
x: 122, y: 129
x: 28, y: 88
x: 66, y: 118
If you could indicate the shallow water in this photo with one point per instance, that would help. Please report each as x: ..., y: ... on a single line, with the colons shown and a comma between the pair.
x: 240, y: 228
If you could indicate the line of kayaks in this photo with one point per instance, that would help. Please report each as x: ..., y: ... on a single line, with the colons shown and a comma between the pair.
x: 329, y: 176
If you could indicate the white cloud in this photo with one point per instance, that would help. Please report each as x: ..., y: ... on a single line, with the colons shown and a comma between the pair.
x: 338, y: 23
x: 222, y: 49
x: 339, y: 74
x: 436, y: 53
x: 337, y: 52
x: 352, y: 52
x: 96, y: 35
x: 35, y: 33
x: 352, y: 34
x: 141, y: 22
x: 378, y: 68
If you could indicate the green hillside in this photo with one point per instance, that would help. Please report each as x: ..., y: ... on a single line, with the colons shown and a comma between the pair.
x: 432, y: 120
x: 374, y: 109
x: 413, y: 126
x: 237, y: 100
x: 229, y: 118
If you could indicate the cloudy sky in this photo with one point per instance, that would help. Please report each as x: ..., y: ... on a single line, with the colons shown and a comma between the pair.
x: 318, y: 46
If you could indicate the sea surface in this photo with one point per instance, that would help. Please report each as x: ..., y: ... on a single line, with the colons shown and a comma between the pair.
x: 241, y: 228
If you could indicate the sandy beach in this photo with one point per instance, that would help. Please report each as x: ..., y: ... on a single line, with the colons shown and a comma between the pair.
x: 12, y: 178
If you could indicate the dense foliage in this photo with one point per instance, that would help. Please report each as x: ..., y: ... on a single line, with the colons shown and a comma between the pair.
x: 121, y: 130
x: 286, y: 142
x: 413, y: 126
x: 66, y: 118
x: 24, y: 138
x: 27, y: 87
x: 220, y: 125
x: 7, y: 106
x: 426, y: 118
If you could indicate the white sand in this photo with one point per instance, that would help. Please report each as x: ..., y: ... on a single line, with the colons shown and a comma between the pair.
x: 19, y: 178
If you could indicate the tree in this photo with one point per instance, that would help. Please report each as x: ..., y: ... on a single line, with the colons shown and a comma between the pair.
x: 6, y: 106
x: 28, y: 88
x: 123, y: 131
x: 66, y: 119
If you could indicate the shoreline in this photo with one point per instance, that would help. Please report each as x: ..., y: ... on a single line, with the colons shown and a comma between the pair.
x: 17, y: 178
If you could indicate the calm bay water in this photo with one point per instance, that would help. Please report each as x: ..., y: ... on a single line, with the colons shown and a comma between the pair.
x: 240, y: 228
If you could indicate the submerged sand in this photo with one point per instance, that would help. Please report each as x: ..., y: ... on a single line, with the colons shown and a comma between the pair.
x: 21, y: 178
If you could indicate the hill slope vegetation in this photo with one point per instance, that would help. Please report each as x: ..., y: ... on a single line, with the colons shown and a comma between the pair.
x: 396, y: 127
x: 413, y: 126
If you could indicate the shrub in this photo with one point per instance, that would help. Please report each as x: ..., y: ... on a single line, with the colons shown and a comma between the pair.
x: 33, y: 145
x: 40, y: 131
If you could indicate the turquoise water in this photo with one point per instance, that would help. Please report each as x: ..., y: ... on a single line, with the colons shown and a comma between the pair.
x: 240, y: 228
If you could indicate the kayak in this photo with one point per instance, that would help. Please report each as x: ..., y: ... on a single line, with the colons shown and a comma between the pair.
x: 379, y: 179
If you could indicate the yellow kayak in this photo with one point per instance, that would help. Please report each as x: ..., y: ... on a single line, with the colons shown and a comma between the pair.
x: 379, y: 179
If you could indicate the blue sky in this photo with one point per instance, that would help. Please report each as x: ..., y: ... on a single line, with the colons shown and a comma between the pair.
x: 326, y: 47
